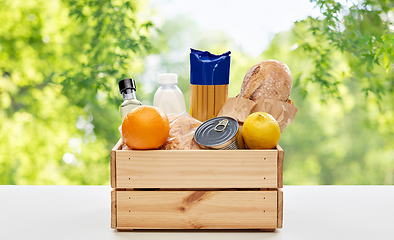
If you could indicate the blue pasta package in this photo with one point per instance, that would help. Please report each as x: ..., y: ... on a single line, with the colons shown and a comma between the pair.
x: 209, y: 69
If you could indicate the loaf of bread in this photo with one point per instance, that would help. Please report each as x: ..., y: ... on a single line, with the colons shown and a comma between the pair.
x: 269, y: 79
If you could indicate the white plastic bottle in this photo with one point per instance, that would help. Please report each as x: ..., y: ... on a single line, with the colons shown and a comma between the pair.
x: 168, y: 96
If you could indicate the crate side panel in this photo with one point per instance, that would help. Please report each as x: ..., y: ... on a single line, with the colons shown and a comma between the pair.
x: 281, y: 154
x: 280, y: 208
x: 197, y: 209
x: 113, y: 209
x: 197, y: 169
x: 113, y: 162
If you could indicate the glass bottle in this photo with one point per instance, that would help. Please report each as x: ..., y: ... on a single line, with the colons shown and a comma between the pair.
x: 127, y: 89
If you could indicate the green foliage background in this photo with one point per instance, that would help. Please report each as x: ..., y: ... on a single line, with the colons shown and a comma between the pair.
x: 60, y: 62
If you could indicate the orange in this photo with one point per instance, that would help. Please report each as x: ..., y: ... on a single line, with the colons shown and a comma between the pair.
x: 145, y: 127
x: 261, y: 131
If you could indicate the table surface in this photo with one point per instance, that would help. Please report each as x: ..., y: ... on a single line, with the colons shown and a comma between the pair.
x: 84, y: 212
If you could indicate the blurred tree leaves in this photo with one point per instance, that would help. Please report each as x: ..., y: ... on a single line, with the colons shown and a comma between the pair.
x: 343, y: 87
x: 60, y: 62
x: 363, y: 31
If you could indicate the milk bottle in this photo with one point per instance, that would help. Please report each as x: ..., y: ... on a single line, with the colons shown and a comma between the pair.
x: 168, y: 96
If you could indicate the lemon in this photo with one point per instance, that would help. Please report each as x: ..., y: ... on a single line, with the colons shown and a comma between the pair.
x: 260, y: 131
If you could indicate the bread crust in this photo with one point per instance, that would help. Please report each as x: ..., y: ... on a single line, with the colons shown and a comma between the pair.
x: 269, y: 79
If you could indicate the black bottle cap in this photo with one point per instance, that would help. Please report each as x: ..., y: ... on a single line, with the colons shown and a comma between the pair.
x: 127, y: 83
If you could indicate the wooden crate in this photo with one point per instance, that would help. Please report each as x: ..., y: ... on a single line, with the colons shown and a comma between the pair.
x: 196, y: 189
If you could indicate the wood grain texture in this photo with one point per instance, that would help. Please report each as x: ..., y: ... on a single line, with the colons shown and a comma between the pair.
x: 113, y: 162
x: 113, y: 209
x: 280, y: 208
x: 196, y: 169
x: 197, y: 209
x: 281, y: 154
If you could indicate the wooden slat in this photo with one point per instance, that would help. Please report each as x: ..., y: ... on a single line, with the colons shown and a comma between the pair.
x: 281, y: 154
x: 113, y: 209
x: 197, y: 209
x: 280, y: 208
x: 196, y: 169
x: 113, y: 162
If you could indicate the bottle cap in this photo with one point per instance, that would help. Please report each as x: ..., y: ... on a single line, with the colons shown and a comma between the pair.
x: 168, y: 78
x: 127, y: 83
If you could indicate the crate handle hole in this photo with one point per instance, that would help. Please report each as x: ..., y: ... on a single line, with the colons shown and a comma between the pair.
x: 129, y: 178
x: 264, y: 158
x: 129, y: 211
x: 264, y: 178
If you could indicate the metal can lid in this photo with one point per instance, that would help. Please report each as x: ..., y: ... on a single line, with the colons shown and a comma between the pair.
x: 217, y: 132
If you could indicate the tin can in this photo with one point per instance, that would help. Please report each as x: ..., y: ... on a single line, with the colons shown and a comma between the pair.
x: 222, y: 133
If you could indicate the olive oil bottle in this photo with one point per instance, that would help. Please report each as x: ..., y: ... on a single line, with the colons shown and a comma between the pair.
x: 127, y: 89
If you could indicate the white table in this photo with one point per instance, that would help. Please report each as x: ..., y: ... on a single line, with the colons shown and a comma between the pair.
x: 83, y: 212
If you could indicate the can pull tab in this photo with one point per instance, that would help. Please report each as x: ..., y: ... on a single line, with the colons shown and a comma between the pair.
x: 221, y: 123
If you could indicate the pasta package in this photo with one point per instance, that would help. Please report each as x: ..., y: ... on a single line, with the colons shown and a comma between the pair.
x: 209, y: 79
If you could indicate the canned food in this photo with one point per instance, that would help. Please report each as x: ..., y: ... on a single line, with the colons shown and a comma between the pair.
x: 219, y: 133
